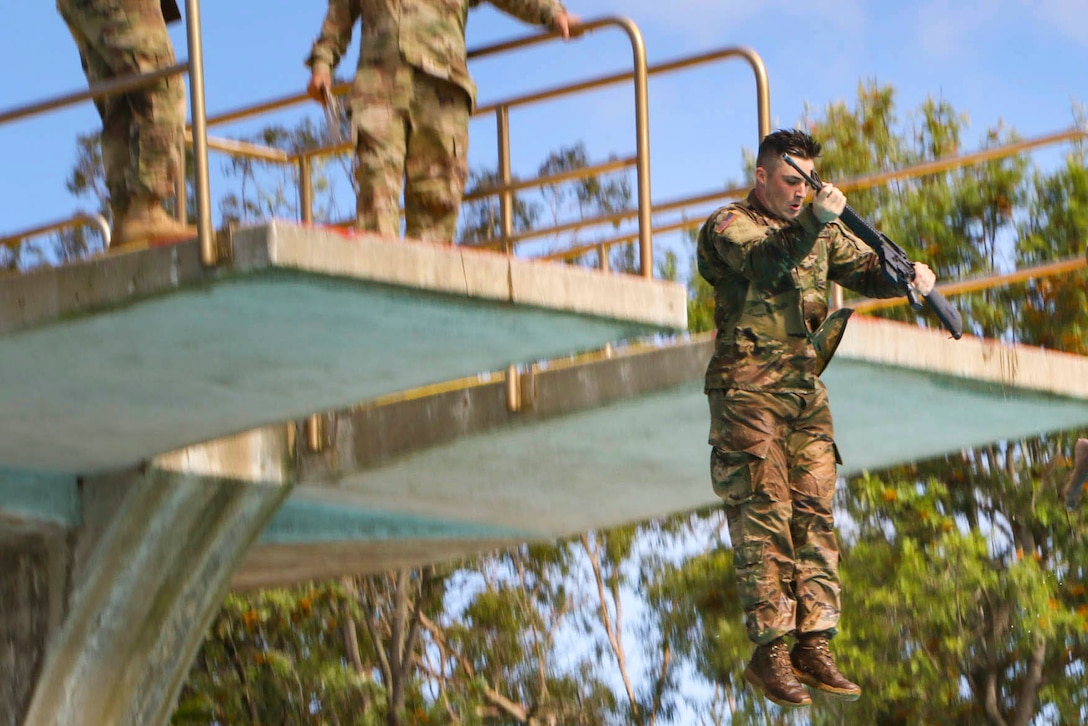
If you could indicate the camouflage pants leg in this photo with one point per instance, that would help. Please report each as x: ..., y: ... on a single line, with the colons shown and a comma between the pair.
x: 773, y: 465
x: 142, y: 129
x: 411, y: 139
x: 437, y: 162
x: 379, y: 114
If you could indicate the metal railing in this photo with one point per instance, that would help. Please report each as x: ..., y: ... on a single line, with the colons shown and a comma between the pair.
x: 693, y: 220
x: 304, y: 159
x: 505, y: 189
x: 507, y: 239
x: 199, y: 113
x: 79, y: 219
x: 197, y: 136
x: 507, y: 186
x: 194, y: 67
x: 987, y: 282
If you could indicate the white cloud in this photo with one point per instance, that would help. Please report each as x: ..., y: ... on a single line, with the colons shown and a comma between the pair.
x: 946, y: 27
x: 1067, y: 16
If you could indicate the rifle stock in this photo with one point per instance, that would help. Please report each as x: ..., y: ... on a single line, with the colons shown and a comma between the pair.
x: 897, y: 266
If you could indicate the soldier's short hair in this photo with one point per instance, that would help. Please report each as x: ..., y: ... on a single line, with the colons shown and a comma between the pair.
x: 786, y: 141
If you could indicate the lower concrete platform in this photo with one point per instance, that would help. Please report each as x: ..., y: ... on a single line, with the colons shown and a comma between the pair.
x: 620, y: 439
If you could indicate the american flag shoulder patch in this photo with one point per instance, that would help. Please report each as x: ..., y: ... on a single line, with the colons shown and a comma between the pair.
x: 724, y: 222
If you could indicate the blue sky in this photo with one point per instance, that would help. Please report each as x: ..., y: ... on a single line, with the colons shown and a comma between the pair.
x: 1019, y: 62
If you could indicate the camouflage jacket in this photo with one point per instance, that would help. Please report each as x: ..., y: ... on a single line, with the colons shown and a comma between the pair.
x: 426, y: 34
x: 770, y: 293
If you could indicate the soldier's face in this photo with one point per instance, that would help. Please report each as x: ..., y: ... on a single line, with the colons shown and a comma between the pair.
x: 781, y: 188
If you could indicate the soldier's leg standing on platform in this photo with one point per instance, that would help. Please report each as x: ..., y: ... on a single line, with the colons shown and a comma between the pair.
x: 141, y: 129
x: 379, y: 111
x: 436, y: 167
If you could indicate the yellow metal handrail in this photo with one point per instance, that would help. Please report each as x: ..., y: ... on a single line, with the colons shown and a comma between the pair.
x: 603, y: 168
x: 195, y: 68
x: 856, y: 183
x: 507, y: 186
x: 79, y: 219
x: 763, y: 109
x: 121, y: 84
x: 988, y: 282
x: 199, y: 113
x: 642, y: 133
x: 763, y: 114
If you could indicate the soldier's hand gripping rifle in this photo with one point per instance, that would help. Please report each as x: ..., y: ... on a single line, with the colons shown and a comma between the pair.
x: 897, y: 266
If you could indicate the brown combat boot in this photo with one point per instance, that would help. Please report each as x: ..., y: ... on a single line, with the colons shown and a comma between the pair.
x: 1074, y: 489
x: 146, y: 222
x: 770, y: 672
x: 815, y: 667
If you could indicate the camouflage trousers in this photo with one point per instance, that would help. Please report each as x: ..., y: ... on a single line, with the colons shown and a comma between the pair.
x: 774, y: 466
x: 141, y: 129
x: 412, y: 138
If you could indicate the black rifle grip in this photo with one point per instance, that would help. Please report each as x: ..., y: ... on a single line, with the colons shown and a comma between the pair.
x: 912, y: 296
x: 892, y: 257
x: 170, y: 10
x: 948, y: 315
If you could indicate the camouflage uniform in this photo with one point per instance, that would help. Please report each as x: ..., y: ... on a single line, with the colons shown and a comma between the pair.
x: 410, y: 105
x: 141, y: 129
x: 774, y: 457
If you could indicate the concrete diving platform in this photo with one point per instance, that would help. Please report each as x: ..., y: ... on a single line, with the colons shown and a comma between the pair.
x: 153, y: 419
x: 622, y: 438
x: 114, y: 360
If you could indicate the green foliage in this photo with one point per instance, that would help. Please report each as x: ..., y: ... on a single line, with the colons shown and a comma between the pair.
x: 275, y: 656
x: 972, y: 623
x: 563, y: 204
x: 964, y: 581
x: 268, y: 189
x: 481, y: 219
x: 1051, y: 310
x: 700, y: 292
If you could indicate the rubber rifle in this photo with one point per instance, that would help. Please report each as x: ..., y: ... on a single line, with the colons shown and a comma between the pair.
x: 897, y: 266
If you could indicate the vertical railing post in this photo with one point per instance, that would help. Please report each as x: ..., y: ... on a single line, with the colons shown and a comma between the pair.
x: 763, y: 93
x: 181, y: 212
x: 642, y: 141
x: 201, y: 184
x: 305, y: 188
x: 506, y: 199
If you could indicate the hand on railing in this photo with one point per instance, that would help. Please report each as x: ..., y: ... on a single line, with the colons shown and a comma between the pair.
x: 567, y: 24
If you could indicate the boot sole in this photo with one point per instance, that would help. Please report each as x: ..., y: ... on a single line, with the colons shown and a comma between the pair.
x: 757, y: 683
x: 840, y: 693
